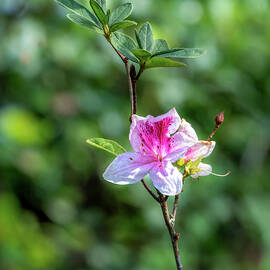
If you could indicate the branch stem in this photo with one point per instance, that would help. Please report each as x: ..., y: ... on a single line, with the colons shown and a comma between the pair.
x: 161, y: 199
x: 173, y: 234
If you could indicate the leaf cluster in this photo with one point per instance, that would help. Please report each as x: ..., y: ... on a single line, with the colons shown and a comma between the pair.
x: 145, y: 51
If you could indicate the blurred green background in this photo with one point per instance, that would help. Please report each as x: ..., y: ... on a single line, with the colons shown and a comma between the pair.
x: 61, y: 84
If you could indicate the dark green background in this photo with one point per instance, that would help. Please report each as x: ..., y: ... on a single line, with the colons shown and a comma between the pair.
x: 61, y: 84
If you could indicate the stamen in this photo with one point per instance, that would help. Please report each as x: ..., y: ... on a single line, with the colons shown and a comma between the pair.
x: 221, y: 175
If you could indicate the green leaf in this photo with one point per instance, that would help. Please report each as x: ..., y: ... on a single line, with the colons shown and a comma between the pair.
x: 160, y: 45
x: 83, y: 22
x: 107, y: 145
x: 98, y: 11
x: 122, y: 25
x: 102, y: 4
x: 80, y: 10
x: 124, y: 44
x: 145, y: 37
x: 120, y: 13
x: 143, y: 55
x: 182, y: 53
x: 162, y: 62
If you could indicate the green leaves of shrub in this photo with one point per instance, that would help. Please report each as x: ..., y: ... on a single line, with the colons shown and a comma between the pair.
x: 145, y: 37
x: 107, y: 145
x: 150, y: 53
x: 103, y: 21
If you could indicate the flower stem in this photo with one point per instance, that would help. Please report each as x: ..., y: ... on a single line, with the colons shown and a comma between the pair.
x: 173, y: 234
x: 162, y: 200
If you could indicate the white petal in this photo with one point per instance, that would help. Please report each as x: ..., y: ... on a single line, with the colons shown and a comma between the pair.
x: 200, y: 149
x: 187, y: 129
x: 179, y: 144
x: 205, y: 169
x: 166, y: 178
x: 128, y: 168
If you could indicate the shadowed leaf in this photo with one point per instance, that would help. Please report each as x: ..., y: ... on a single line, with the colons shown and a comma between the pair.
x: 182, y: 53
x: 124, y: 44
x: 78, y: 9
x: 162, y: 62
x: 160, y: 45
x: 120, y: 13
x: 83, y: 22
x: 98, y: 11
x: 122, y: 25
x: 145, y: 37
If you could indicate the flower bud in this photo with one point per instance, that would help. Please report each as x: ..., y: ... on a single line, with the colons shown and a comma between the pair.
x: 219, y: 118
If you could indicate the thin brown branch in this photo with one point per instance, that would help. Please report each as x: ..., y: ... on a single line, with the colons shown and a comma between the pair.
x: 176, y: 198
x: 174, y: 235
x: 150, y: 191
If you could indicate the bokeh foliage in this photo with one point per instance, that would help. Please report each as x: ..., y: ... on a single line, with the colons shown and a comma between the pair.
x: 61, y: 84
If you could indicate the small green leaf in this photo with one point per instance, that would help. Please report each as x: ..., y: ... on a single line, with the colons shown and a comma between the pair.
x: 181, y: 53
x: 143, y: 55
x: 162, y: 62
x: 98, y: 11
x: 107, y: 145
x: 83, y: 22
x: 102, y: 4
x: 120, y: 13
x: 122, y: 25
x: 78, y: 9
x: 124, y: 44
x: 145, y: 37
x: 160, y: 45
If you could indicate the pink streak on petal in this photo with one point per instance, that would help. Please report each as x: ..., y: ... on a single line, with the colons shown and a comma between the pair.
x: 180, y: 144
x: 166, y: 178
x: 128, y: 168
x: 150, y: 135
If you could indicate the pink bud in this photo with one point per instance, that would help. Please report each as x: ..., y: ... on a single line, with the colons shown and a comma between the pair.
x: 219, y: 118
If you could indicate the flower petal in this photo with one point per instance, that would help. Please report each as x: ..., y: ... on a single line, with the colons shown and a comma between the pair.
x: 187, y: 129
x: 128, y: 168
x: 179, y: 144
x: 150, y: 135
x: 171, y: 117
x: 166, y: 178
x: 205, y: 169
x: 200, y: 149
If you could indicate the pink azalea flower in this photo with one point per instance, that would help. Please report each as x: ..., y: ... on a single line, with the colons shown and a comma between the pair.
x: 156, y: 144
x: 199, y: 149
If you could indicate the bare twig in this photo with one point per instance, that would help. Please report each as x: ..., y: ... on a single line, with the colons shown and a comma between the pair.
x: 150, y: 191
x: 176, y: 198
x: 173, y: 234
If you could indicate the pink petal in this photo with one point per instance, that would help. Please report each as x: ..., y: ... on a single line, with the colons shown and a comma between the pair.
x: 205, y: 169
x: 200, y: 149
x: 187, y: 129
x: 149, y: 135
x: 128, y: 168
x: 166, y: 178
x: 179, y: 144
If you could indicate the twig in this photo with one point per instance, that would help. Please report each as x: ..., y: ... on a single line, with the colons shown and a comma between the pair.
x: 176, y: 198
x: 150, y: 191
x: 173, y: 234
